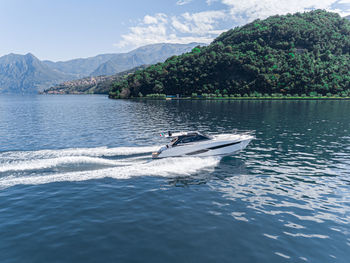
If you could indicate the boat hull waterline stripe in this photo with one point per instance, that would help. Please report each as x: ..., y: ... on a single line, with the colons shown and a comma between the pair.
x: 213, y: 148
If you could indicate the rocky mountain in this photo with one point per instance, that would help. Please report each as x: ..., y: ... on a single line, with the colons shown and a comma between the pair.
x: 110, y: 64
x: 27, y: 74
x: 90, y: 85
x: 145, y: 55
x: 80, y: 67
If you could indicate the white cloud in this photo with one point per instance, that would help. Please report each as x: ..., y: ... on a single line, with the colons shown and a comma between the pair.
x: 210, y: 2
x: 158, y: 18
x: 181, y: 27
x: 183, y: 2
x: 203, y: 27
x: 202, y: 23
x: 188, y: 27
x: 150, y: 20
x: 248, y: 10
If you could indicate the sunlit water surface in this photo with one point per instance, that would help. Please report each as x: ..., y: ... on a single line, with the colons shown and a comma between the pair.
x: 77, y: 183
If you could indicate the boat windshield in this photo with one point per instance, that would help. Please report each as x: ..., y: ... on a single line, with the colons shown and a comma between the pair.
x: 189, y: 138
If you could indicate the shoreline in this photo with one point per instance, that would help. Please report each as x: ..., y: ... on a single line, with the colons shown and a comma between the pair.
x: 208, y: 99
x: 239, y: 98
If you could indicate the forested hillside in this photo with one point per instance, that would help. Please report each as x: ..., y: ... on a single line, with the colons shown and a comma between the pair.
x: 304, y: 53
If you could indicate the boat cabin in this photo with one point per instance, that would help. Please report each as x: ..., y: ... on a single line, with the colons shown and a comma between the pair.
x: 190, y: 137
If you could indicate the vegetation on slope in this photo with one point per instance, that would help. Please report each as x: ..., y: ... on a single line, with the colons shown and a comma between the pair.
x: 90, y: 85
x: 300, y: 54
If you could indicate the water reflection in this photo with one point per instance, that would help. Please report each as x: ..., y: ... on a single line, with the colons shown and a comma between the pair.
x: 286, y: 196
x: 293, y: 179
x: 275, y: 185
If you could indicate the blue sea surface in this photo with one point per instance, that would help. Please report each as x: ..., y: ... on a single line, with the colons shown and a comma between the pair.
x: 77, y: 183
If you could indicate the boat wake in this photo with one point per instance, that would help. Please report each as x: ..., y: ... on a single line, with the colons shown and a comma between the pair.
x: 80, y: 164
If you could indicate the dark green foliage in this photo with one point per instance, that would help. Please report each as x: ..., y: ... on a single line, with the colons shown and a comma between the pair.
x: 156, y: 96
x: 196, y: 50
x: 304, y: 53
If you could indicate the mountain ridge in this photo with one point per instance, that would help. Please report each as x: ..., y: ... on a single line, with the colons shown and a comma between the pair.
x: 145, y: 55
x: 81, y: 67
x: 28, y: 74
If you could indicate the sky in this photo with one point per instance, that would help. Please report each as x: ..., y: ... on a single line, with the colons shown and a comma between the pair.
x: 60, y: 30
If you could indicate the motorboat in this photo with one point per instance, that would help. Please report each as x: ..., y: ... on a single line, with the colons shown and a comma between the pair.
x: 198, y: 144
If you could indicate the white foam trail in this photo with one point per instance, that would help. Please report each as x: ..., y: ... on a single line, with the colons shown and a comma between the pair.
x: 92, y: 152
x: 54, y: 162
x: 165, y: 167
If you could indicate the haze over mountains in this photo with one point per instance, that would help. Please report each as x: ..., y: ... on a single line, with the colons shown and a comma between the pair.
x: 150, y: 54
x: 80, y: 67
x: 28, y: 74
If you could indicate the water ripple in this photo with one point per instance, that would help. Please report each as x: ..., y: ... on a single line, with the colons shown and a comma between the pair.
x: 75, y: 173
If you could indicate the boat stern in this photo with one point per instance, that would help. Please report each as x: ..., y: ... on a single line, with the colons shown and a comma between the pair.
x: 155, y: 155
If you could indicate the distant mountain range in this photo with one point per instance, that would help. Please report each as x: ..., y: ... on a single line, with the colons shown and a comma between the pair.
x: 28, y: 74
x: 145, y: 55
x: 81, y: 67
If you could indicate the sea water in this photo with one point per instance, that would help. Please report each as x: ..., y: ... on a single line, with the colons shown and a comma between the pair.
x: 77, y: 183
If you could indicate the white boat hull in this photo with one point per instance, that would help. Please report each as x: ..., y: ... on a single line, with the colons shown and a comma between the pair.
x: 220, y: 145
